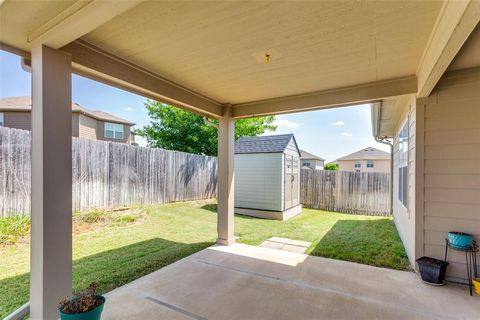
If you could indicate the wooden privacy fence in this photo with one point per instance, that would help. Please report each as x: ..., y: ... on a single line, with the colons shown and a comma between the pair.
x: 349, y: 192
x: 108, y: 174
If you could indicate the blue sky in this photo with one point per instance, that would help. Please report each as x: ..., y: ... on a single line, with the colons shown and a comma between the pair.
x: 329, y: 133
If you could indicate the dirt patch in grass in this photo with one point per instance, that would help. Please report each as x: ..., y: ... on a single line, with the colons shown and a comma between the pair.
x: 15, y: 230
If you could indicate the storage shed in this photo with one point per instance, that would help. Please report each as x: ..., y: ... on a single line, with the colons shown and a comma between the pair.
x: 267, y: 177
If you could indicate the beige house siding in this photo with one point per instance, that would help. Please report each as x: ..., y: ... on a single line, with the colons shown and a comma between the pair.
x: 75, y: 125
x: 82, y: 126
x: 452, y: 164
x: 378, y: 166
x: 18, y: 120
x: 404, y: 217
x: 87, y: 127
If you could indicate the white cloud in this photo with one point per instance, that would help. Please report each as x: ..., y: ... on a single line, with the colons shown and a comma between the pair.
x: 129, y: 109
x: 338, y: 123
x: 346, y: 134
x: 286, y: 123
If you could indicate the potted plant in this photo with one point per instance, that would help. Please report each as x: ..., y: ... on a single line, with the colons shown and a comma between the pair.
x: 432, y: 270
x: 86, y: 305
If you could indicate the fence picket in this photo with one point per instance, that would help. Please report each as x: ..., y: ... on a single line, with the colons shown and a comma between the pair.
x: 349, y: 192
x: 107, y: 174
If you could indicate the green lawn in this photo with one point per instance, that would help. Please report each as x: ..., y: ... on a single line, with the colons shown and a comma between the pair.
x: 115, y: 254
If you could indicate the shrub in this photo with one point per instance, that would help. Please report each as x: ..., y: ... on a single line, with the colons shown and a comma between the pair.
x: 330, y: 166
x: 94, y: 215
x: 14, y: 228
x: 128, y: 218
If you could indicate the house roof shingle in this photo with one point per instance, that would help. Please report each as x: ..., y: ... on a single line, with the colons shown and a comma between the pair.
x: 25, y: 104
x: 368, y: 153
x: 263, y: 144
x: 309, y: 156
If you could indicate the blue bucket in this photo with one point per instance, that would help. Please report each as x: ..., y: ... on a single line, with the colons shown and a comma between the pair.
x: 460, y: 239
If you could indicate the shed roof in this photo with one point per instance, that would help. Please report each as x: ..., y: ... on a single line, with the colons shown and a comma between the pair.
x: 369, y: 153
x: 264, y: 144
x: 24, y: 103
x: 309, y: 156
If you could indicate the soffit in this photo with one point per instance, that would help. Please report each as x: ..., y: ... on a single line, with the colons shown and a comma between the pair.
x: 217, y: 48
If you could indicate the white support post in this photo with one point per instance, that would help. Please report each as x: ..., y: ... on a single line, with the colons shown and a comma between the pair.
x: 225, y: 207
x: 51, y: 230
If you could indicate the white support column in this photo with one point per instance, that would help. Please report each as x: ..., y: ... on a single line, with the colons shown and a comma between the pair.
x: 51, y: 230
x: 225, y: 207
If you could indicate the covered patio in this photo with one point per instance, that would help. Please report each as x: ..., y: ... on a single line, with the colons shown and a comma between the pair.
x: 227, y: 60
x: 248, y: 282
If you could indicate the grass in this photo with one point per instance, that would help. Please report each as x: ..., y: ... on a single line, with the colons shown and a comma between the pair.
x: 116, y: 248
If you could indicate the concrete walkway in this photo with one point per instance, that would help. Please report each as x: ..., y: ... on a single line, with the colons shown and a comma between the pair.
x: 248, y: 282
x: 286, y: 244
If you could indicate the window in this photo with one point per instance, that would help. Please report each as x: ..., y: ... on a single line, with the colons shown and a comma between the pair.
x: 113, y: 130
x: 369, y: 163
x: 358, y: 164
x: 1, y: 119
x: 306, y: 163
x: 403, y: 165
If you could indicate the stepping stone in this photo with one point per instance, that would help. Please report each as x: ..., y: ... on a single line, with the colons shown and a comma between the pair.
x: 285, y: 244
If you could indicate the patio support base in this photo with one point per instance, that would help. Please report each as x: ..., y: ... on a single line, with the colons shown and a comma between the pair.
x: 51, y: 230
x: 225, y: 207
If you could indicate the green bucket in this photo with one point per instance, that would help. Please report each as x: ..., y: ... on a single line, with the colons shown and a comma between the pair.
x: 94, y: 314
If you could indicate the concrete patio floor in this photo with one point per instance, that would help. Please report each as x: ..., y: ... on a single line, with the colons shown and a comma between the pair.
x: 248, y: 282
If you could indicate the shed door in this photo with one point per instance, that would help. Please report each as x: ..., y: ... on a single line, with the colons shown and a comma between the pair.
x: 296, y: 182
x: 292, y: 171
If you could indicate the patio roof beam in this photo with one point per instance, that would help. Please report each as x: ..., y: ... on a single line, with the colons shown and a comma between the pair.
x: 94, y: 63
x: 329, y: 98
x: 456, y: 21
x: 77, y: 20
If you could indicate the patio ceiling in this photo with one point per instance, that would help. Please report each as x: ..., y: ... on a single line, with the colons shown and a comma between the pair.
x: 205, y: 55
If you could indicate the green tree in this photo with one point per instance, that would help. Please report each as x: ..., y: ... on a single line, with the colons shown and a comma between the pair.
x: 175, y: 129
x: 330, y: 166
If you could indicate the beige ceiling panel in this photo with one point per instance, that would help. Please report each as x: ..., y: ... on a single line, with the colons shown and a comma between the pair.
x: 18, y: 19
x: 401, y: 38
x: 214, y: 48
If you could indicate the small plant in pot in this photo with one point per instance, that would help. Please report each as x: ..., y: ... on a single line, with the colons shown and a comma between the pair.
x: 432, y: 270
x: 86, y: 305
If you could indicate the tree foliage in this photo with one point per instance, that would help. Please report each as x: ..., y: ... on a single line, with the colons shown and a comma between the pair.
x: 175, y: 129
x: 330, y: 166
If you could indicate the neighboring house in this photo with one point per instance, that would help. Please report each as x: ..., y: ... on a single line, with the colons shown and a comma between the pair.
x: 366, y: 160
x: 311, y: 161
x: 15, y: 112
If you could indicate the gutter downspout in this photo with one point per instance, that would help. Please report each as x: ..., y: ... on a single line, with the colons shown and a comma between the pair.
x: 385, y: 141
x: 210, y: 123
x: 26, y: 65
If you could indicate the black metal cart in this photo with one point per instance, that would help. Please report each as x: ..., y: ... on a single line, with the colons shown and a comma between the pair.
x: 470, y: 259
